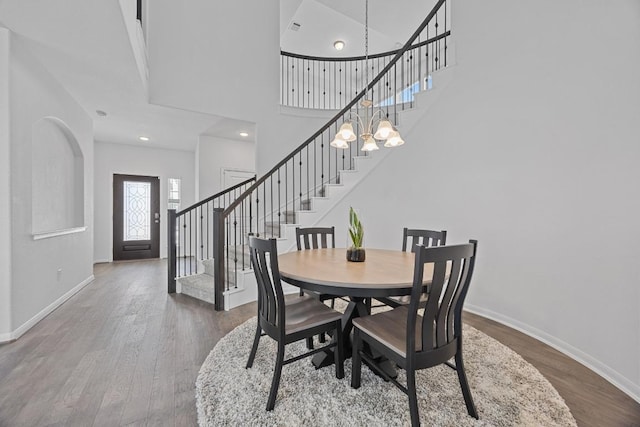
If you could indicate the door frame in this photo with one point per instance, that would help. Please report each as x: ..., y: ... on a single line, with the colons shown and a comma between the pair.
x: 117, y: 240
x: 224, y: 170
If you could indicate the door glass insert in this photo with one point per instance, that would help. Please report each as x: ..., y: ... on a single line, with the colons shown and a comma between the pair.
x: 137, y: 210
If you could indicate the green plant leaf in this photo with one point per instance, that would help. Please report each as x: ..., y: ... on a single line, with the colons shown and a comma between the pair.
x: 356, y: 231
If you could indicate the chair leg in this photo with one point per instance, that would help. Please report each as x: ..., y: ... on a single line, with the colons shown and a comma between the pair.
x: 464, y: 385
x: 339, y: 353
x: 310, y: 343
x: 322, y: 337
x: 356, y: 360
x: 413, y: 398
x: 333, y: 303
x: 254, y: 348
x: 275, y: 383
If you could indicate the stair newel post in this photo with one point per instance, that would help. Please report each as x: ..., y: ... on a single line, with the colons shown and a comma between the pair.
x: 218, y: 255
x: 171, y: 250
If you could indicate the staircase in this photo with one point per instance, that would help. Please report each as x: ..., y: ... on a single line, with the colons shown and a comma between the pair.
x: 312, y: 210
x: 208, y: 251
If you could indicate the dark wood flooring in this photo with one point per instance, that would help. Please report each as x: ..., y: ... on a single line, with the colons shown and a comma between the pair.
x: 124, y: 352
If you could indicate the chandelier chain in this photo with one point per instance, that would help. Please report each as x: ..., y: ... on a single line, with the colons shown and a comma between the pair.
x: 366, y: 48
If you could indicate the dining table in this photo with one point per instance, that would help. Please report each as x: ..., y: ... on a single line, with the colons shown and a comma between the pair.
x: 383, y: 273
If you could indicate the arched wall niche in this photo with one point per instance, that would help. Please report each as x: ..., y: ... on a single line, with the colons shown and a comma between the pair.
x: 57, y: 179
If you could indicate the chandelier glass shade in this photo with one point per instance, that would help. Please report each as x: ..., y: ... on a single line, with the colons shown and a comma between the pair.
x: 384, y: 129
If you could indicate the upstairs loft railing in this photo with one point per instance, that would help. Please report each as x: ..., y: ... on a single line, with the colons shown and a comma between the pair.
x: 289, y: 188
x: 331, y: 83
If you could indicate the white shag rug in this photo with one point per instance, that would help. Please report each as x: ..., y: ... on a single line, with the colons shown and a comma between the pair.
x: 507, y: 390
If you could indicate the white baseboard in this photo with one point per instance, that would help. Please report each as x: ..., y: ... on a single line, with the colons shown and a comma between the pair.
x: 44, y: 313
x: 606, y: 372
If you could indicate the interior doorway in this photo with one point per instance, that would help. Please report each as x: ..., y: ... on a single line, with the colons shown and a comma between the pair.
x: 231, y: 177
x: 136, y: 217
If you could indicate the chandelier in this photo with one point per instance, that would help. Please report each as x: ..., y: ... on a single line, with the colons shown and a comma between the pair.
x: 385, y: 130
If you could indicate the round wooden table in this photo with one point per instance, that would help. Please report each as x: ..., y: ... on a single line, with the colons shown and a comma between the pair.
x: 384, y: 273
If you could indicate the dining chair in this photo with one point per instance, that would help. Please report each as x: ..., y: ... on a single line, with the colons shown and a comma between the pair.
x: 315, y: 238
x: 417, y: 341
x: 290, y: 319
x: 426, y: 238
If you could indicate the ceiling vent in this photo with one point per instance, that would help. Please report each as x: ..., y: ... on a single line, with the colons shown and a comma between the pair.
x: 294, y: 26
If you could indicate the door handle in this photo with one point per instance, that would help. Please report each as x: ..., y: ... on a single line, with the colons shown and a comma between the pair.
x: 156, y: 217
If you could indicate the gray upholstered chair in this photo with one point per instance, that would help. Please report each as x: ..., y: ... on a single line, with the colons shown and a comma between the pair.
x: 426, y: 238
x: 316, y: 238
x: 418, y: 341
x: 289, y: 319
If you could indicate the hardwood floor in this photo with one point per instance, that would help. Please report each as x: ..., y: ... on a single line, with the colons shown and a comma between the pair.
x: 124, y: 352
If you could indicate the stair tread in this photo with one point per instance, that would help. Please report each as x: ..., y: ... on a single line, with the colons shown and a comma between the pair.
x: 199, y: 281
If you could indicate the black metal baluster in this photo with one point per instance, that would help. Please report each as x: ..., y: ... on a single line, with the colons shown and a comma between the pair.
x: 322, y: 165
x: 308, y: 193
x: 191, y: 246
x: 335, y: 91
x: 178, y: 221
x: 341, y: 100
x: 258, y: 211
x: 445, y: 31
x: 235, y: 247
x: 299, y: 71
x: 227, y: 243
x: 208, y: 230
x: 308, y: 86
x: 315, y: 164
x: 419, y: 64
x: 412, y: 77
x: 324, y: 84
x: 279, y: 203
x: 201, y: 235
x: 437, y: 58
x: 264, y: 209
x: 272, y: 221
x: 251, y: 214
x: 242, y: 231
x: 300, y: 198
x: 336, y: 160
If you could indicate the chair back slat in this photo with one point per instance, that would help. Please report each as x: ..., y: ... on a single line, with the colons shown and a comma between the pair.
x: 270, y: 294
x: 315, y: 237
x: 441, y: 319
x: 446, y: 306
x: 426, y: 238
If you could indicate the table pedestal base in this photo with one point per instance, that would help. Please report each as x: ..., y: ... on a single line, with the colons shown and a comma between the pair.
x: 357, y: 307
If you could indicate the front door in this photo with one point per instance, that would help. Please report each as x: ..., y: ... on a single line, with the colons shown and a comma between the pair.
x: 136, y: 217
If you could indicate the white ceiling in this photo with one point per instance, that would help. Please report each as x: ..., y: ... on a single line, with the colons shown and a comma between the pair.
x: 322, y: 22
x: 85, y: 45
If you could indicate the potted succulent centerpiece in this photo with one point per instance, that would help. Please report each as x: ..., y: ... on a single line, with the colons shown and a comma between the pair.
x: 355, y: 252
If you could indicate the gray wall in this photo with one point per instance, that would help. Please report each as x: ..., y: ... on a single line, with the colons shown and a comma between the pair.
x: 5, y: 191
x: 133, y: 160
x: 43, y: 271
x: 215, y: 154
x: 533, y: 150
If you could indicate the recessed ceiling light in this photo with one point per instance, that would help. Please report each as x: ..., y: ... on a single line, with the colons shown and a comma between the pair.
x: 101, y: 113
x: 143, y: 138
x: 338, y: 44
x: 244, y: 134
